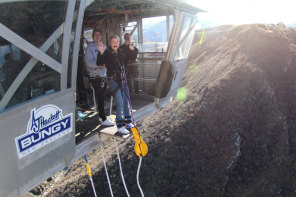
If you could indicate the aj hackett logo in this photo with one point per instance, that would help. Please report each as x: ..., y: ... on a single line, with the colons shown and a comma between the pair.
x: 46, y: 124
x: 41, y: 122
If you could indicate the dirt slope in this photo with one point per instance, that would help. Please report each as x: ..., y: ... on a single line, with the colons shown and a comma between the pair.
x: 233, y: 135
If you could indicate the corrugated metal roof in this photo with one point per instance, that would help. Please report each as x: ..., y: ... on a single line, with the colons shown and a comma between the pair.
x: 134, y: 7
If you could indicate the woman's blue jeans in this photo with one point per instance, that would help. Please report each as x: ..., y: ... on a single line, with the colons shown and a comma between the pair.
x: 120, y: 98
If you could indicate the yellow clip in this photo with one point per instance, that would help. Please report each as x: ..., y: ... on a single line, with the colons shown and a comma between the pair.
x: 141, y: 147
x: 88, y: 169
x: 202, y: 35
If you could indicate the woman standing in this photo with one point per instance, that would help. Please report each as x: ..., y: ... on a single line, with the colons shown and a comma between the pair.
x: 113, y: 58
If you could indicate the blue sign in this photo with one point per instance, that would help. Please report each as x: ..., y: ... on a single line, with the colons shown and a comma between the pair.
x: 46, y: 124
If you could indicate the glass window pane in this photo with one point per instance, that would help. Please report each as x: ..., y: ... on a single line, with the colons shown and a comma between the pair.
x: 171, y: 18
x: 187, y: 35
x: 9, y: 66
x: 35, y: 21
x: 128, y: 28
x: 186, y: 26
x: 41, y: 79
x: 55, y: 51
x: 155, y: 34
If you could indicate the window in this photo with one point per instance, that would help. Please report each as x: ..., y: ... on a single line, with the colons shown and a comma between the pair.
x: 39, y: 81
x: 131, y: 28
x: 23, y: 77
x: 171, y: 18
x: 155, y: 34
x: 34, y: 21
x: 185, y: 40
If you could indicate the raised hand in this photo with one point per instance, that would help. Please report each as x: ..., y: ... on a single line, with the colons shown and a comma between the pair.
x: 101, y: 48
x: 131, y: 47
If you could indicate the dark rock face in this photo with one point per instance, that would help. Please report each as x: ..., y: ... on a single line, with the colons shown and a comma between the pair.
x: 247, y: 95
x: 233, y: 135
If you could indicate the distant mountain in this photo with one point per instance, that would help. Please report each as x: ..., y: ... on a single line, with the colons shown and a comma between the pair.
x: 203, y: 24
x: 291, y: 25
x: 155, y: 32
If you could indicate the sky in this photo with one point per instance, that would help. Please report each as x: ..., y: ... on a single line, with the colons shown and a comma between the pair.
x: 247, y: 11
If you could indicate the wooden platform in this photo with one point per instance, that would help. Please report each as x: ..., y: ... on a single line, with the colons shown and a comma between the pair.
x: 111, y: 132
x: 88, y: 124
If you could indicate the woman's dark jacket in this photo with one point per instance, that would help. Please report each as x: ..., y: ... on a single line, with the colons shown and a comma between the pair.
x: 113, y: 61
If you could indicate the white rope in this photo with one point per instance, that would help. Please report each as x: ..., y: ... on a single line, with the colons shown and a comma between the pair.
x: 94, y: 97
x: 90, y: 177
x: 106, y: 171
x: 93, y: 186
x: 121, y: 173
x: 111, y: 102
x: 138, y: 172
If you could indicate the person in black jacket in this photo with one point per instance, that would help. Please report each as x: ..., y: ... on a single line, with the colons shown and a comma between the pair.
x: 113, y: 58
x: 131, y: 53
